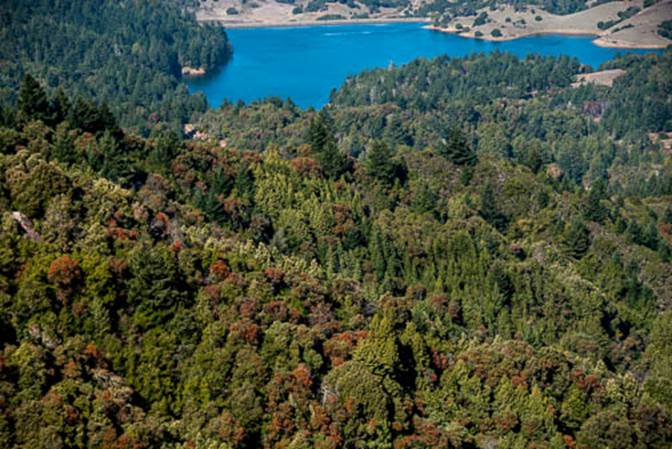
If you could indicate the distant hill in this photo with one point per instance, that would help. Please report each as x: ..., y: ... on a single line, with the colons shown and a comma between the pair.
x: 618, y: 23
x: 125, y: 52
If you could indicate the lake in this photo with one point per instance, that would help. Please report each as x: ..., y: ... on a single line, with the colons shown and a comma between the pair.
x: 306, y: 63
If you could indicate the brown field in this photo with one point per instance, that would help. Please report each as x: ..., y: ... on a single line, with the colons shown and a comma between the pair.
x: 602, y: 78
x: 264, y: 13
x: 637, y: 32
x: 640, y: 31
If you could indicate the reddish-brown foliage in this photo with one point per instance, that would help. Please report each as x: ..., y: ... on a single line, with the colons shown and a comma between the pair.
x: 276, y: 311
x: 275, y: 276
x: 65, y: 274
x: 64, y: 271
x: 305, y: 166
x: 246, y: 330
x: 302, y: 374
x: 219, y: 270
x: 248, y: 308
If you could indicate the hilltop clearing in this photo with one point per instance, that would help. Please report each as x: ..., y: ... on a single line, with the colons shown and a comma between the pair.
x: 601, y: 78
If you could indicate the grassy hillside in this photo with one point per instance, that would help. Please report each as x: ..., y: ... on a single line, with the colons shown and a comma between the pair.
x: 623, y: 24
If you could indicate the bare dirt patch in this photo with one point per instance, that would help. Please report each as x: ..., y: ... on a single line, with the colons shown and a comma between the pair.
x: 601, y: 78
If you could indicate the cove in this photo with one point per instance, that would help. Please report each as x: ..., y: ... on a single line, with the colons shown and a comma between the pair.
x: 306, y: 63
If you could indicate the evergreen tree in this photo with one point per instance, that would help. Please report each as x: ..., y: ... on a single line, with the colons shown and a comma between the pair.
x: 381, y: 163
x: 667, y: 216
x: 456, y: 149
x: 33, y: 103
x: 395, y: 133
x: 60, y: 106
x: 424, y: 198
x: 87, y: 116
x: 320, y: 131
x: 651, y: 237
x: 323, y: 145
x: 593, y: 209
x: 166, y: 146
x: 490, y: 211
x: 577, y: 238
x: 244, y: 183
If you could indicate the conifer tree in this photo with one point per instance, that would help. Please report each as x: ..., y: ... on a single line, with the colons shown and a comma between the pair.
x: 456, y: 149
x: 594, y: 210
x: 323, y: 145
x: 395, y: 133
x: 577, y: 238
x: 33, y: 103
x: 667, y: 216
x: 490, y: 211
x: 424, y: 198
x: 381, y: 163
x: 60, y: 106
x: 244, y: 183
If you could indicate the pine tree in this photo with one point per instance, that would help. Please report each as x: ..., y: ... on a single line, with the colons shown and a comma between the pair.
x: 318, y: 131
x: 395, y: 133
x: 577, y: 239
x: 333, y: 162
x: 381, y: 163
x: 33, y: 103
x: 60, y: 106
x: 244, y: 183
x: 323, y: 145
x: 533, y: 159
x: 457, y: 150
x: 424, y: 198
x: 87, y: 116
x: 490, y: 211
x: 594, y: 210
x: 667, y: 216
x: 110, y: 159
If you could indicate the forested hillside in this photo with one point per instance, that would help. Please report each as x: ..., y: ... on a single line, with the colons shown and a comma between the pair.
x: 529, y: 111
x: 467, y: 253
x: 460, y: 283
x: 128, y: 53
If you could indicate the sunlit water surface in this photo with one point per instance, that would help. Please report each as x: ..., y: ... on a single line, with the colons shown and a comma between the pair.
x: 306, y: 63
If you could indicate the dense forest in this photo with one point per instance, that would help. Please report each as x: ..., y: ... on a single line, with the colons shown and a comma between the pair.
x: 528, y: 111
x: 158, y: 292
x: 467, y: 253
x: 128, y: 53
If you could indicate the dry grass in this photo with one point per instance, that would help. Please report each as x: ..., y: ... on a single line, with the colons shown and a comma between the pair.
x: 639, y: 31
x: 259, y: 13
x: 601, y: 78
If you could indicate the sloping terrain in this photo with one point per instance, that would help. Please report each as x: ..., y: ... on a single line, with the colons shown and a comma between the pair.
x: 508, y: 22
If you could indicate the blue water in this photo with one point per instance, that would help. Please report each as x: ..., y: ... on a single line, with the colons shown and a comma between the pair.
x: 306, y: 63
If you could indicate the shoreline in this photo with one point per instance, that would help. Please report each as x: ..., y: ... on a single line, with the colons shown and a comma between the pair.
x: 599, y: 40
x: 308, y: 23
